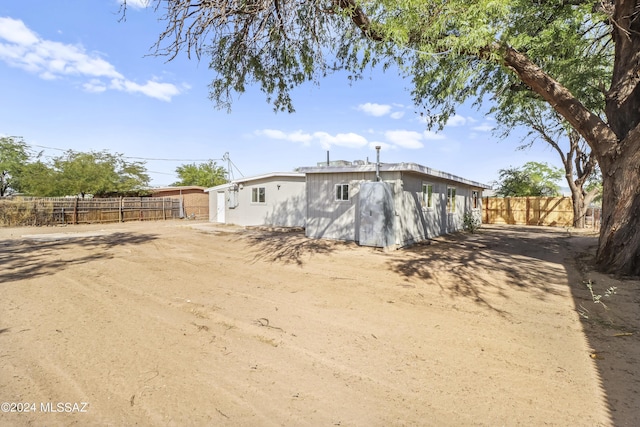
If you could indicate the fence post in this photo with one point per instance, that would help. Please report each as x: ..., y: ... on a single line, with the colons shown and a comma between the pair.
x: 75, y: 211
x: 486, y: 207
x: 120, y: 210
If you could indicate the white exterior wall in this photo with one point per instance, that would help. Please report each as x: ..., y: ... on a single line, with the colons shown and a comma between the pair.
x: 416, y: 223
x: 340, y: 220
x: 284, y: 206
x: 328, y: 218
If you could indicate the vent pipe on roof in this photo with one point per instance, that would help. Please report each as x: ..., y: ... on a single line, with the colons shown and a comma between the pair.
x: 378, y: 163
x: 327, y: 157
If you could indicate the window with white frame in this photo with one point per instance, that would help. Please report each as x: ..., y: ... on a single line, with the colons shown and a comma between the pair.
x: 451, y: 199
x: 475, y: 200
x: 258, y: 195
x: 427, y: 195
x: 342, y: 192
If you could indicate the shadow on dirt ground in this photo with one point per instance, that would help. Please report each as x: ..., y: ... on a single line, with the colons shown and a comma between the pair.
x: 478, y: 265
x: 609, y: 308
x: 288, y: 247
x: 40, y: 255
x: 539, y: 260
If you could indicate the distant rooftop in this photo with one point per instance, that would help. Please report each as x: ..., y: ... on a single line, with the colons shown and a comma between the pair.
x: 176, y: 188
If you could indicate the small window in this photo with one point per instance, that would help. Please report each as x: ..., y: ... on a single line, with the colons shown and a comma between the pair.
x: 342, y: 192
x: 451, y: 199
x: 257, y: 195
x: 475, y: 202
x: 427, y: 195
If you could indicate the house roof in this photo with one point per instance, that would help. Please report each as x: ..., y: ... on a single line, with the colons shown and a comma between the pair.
x: 393, y: 167
x: 256, y: 178
x: 176, y: 188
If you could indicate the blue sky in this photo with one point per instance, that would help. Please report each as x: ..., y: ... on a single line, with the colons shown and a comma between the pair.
x: 72, y: 76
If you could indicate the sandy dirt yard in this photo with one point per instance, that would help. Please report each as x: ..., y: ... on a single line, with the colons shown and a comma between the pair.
x: 189, y: 323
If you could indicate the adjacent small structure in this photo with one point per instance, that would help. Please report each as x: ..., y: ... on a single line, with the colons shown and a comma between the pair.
x: 194, y: 201
x: 274, y: 199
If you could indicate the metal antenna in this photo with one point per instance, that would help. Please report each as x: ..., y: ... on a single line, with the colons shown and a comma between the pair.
x: 227, y: 159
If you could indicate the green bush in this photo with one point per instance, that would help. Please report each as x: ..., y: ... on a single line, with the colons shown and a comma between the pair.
x: 471, y: 222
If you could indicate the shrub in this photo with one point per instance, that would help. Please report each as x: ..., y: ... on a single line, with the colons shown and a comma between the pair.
x: 471, y: 222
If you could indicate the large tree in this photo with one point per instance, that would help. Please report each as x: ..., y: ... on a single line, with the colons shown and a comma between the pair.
x: 207, y: 174
x: 544, y: 124
x: 453, y: 51
x: 97, y: 173
x: 13, y: 157
x: 532, y: 179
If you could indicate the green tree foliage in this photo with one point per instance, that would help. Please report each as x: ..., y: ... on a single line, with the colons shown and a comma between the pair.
x: 577, y: 56
x: 207, y: 174
x: 548, y: 126
x: 97, y: 173
x: 74, y: 173
x: 532, y: 179
x: 13, y: 157
x: 39, y: 179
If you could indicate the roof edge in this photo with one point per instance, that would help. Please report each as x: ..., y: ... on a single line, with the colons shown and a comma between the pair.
x: 393, y: 167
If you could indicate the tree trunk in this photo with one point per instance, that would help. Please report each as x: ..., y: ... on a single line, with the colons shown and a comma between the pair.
x: 577, y: 201
x: 619, y: 245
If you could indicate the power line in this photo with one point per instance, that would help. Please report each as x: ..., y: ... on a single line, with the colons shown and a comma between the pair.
x: 224, y: 158
x: 163, y: 173
x: 131, y: 157
x: 170, y: 160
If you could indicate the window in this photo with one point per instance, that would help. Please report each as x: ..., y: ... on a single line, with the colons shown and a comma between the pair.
x: 451, y: 199
x: 427, y: 195
x: 257, y: 195
x: 474, y: 200
x: 342, y: 192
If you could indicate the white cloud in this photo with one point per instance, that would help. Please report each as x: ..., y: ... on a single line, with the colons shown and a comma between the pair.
x: 22, y: 48
x: 324, y: 139
x: 456, y: 120
x: 14, y: 31
x: 349, y: 140
x: 137, y: 4
x: 94, y: 86
x: 272, y: 133
x: 397, y: 115
x: 376, y: 110
x: 485, y: 127
x: 153, y: 89
x: 297, y: 136
x: 394, y: 139
x: 405, y: 138
x: 432, y: 136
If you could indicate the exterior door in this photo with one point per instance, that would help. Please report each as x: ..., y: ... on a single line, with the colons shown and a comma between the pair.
x: 220, y: 206
x: 376, y: 215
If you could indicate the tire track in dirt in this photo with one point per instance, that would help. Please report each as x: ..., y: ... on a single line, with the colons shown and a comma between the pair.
x: 196, y: 328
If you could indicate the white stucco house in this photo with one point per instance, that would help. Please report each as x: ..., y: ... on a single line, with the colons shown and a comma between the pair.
x: 274, y: 199
x: 373, y: 204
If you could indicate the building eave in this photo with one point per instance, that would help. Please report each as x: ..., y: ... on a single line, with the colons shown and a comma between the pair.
x: 394, y: 167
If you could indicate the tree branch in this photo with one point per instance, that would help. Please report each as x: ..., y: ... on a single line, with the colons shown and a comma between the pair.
x: 592, y: 128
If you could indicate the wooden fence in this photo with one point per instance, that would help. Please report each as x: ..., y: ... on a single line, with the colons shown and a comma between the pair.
x: 21, y: 211
x: 550, y: 211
